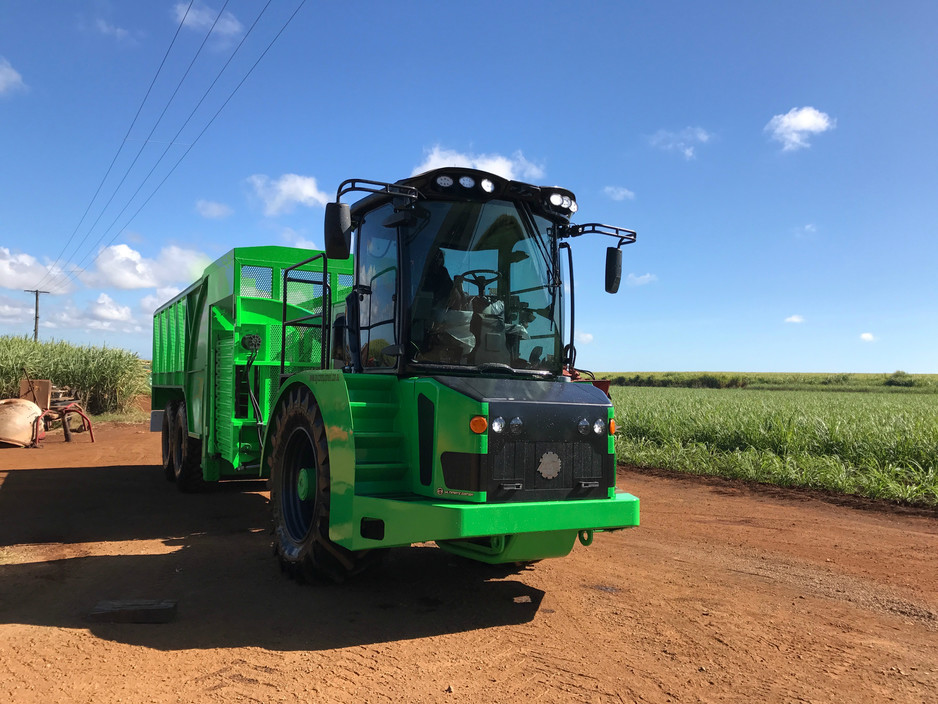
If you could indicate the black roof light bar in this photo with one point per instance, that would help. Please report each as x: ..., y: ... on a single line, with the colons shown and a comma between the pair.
x: 358, y: 184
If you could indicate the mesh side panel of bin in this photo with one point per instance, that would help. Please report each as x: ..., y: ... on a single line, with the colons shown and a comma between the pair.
x: 343, y: 287
x: 304, y: 345
x: 256, y: 281
x: 269, y: 382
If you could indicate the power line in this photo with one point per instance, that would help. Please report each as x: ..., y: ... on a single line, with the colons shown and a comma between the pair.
x: 144, y: 145
x: 71, y: 276
x: 169, y: 145
x: 120, y: 148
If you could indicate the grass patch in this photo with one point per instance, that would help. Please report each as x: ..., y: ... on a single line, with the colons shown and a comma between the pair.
x: 879, y: 445
x: 897, y: 382
x: 106, y: 379
x: 132, y: 415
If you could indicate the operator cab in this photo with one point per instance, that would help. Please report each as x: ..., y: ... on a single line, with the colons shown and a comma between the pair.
x: 457, y: 271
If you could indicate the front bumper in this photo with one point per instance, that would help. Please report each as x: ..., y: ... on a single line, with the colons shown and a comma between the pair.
x: 406, y: 519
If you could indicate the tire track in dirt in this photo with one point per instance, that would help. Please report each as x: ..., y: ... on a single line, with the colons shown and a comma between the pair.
x: 725, y: 593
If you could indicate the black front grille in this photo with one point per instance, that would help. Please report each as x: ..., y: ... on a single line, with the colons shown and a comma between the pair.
x: 543, y: 471
x: 542, y: 452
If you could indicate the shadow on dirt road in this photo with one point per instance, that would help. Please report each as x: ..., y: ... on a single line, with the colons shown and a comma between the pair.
x: 70, y: 538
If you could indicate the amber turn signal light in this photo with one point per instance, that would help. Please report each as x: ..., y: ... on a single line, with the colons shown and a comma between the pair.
x: 478, y: 424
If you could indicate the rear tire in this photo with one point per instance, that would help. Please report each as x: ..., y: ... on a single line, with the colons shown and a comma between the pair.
x: 299, y: 495
x: 166, y: 442
x: 187, y: 454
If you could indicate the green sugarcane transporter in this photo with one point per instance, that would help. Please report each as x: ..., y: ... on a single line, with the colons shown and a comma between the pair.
x: 424, y: 390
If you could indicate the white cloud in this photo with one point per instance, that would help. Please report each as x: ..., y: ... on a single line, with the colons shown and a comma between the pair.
x: 19, y: 271
x: 282, y: 195
x: 10, y: 78
x: 297, y: 239
x: 151, y: 302
x: 16, y: 311
x: 212, y: 210
x: 685, y: 142
x: 584, y: 337
x: 795, y: 127
x: 633, y: 280
x: 103, y: 315
x: 201, y: 17
x: 868, y: 337
x: 512, y: 168
x: 111, y: 30
x: 806, y: 230
x: 106, y: 309
x: 794, y: 319
x: 122, y: 267
x: 619, y: 193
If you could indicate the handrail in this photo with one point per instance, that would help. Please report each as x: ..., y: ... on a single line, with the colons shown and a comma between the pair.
x: 296, y: 322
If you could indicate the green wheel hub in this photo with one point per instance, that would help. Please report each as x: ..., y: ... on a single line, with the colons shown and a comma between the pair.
x: 303, y: 484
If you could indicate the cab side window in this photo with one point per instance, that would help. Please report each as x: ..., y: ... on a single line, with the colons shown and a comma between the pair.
x: 376, y: 257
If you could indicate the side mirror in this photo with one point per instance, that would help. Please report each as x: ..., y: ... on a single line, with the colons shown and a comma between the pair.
x: 613, y: 269
x: 338, y: 230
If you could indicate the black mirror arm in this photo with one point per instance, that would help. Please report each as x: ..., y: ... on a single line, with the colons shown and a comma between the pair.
x: 624, y: 235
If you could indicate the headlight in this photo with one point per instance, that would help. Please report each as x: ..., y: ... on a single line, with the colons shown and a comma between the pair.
x: 599, y: 427
x: 498, y: 425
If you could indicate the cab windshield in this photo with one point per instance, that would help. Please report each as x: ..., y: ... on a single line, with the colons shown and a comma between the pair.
x: 480, y: 287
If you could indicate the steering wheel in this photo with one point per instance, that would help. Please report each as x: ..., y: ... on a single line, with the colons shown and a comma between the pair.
x: 478, y: 278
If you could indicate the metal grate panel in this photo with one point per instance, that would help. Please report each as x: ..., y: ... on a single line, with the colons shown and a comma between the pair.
x: 257, y: 281
x: 343, y: 286
x: 304, y: 345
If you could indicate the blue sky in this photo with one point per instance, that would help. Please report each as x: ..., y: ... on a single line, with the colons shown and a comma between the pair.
x: 778, y: 160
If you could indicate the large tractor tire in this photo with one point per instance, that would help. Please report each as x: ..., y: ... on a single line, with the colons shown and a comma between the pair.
x: 299, y: 495
x: 166, y: 441
x: 187, y: 454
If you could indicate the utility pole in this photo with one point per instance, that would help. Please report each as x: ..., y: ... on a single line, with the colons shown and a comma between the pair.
x: 36, y: 324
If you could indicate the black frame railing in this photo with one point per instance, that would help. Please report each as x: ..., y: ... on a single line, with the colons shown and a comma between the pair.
x: 324, y: 316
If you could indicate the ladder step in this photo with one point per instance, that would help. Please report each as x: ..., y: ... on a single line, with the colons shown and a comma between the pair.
x: 378, y: 438
x: 375, y: 407
x: 375, y: 471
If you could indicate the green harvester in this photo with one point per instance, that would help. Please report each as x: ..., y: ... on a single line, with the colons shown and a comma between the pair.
x: 423, y: 390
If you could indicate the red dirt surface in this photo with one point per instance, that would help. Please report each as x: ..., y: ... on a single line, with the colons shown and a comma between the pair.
x: 726, y: 593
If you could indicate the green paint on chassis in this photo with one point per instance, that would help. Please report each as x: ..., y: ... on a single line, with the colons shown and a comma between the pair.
x: 352, y: 383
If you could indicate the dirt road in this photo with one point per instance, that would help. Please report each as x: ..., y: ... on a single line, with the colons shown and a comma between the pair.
x: 725, y: 594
